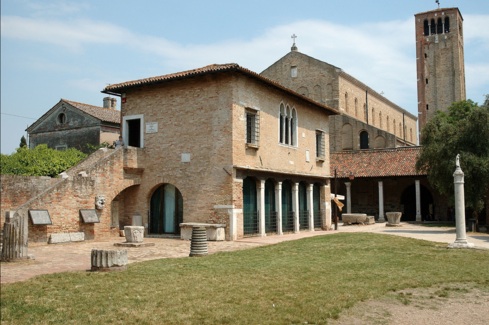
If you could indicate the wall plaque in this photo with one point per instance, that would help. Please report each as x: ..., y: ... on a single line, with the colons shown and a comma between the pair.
x: 40, y: 217
x: 89, y: 216
x: 152, y: 127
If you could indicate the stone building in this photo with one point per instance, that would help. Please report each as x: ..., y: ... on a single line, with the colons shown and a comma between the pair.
x: 368, y: 119
x: 222, y: 144
x: 70, y: 124
x: 439, y: 61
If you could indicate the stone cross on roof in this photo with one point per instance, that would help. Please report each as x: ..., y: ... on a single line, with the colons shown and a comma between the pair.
x: 294, y: 47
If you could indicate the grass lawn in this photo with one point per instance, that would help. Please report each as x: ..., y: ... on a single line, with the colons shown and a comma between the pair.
x: 297, y: 282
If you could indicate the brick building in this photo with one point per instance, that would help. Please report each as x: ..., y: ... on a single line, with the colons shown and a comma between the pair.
x: 70, y: 124
x: 222, y: 144
x: 368, y: 119
x: 439, y: 61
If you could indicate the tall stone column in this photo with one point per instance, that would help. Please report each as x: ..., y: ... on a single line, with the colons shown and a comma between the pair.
x: 418, y: 200
x: 348, y: 197
x: 278, y: 201
x: 458, y: 180
x: 310, y: 205
x: 261, y: 207
x: 381, y: 202
x: 295, y: 206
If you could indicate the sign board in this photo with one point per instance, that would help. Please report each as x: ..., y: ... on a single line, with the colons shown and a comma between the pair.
x: 40, y: 217
x: 89, y: 216
x: 152, y: 127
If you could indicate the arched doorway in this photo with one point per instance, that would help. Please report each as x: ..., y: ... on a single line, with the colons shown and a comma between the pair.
x: 270, y: 209
x: 250, y: 207
x: 408, y: 201
x: 287, y: 211
x: 316, y: 205
x: 303, y: 209
x: 166, y: 210
x: 364, y: 140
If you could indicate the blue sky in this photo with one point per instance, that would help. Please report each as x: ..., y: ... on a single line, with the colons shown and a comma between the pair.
x: 73, y: 49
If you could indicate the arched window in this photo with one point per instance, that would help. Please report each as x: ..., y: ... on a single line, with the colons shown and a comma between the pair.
x: 447, y: 25
x: 394, y: 125
x: 373, y: 116
x: 364, y: 140
x: 400, y: 130
x: 426, y: 28
x: 432, y: 27
x: 388, y: 125
x: 61, y: 118
x: 288, y: 125
x: 356, y: 107
x: 380, y: 120
x: 346, y: 102
x: 439, y: 26
x: 293, y: 128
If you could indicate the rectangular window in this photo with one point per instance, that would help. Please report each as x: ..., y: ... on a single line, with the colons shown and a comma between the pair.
x: 293, y: 72
x: 252, y: 127
x: 320, y: 146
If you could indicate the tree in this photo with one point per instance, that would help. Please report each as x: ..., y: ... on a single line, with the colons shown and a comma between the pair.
x: 40, y: 161
x: 464, y: 130
x: 23, y: 142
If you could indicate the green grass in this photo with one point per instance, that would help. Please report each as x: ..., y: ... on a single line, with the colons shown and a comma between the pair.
x: 310, y: 280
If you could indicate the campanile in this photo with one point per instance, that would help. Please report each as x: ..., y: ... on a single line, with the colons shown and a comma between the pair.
x: 439, y: 61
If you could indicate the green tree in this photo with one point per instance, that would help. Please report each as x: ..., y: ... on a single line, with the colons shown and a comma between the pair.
x: 463, y: 129
x: 23, y: 142
x: 40, y: 161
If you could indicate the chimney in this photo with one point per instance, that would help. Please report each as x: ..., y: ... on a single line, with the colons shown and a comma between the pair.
x: 110, y: 103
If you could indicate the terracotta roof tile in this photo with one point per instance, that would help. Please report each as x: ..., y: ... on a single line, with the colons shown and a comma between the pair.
x: 119, y: 88
x: 103, y: 114
x: 376, y: 162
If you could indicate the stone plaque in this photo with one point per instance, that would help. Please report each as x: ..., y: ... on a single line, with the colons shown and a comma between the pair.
x: 152, y: 127
x: 40, y: 217
x: 89, y: 216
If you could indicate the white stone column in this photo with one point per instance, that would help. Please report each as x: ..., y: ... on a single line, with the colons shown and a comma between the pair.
x: 295, y: 206
x: 381, y: 202
x: 348, y: 197
x: 278, y: 201
x: 458, y: 180
x: 310, y: 205
x: 261, y: 207
x: 418, y: 201
x: 328, y: 215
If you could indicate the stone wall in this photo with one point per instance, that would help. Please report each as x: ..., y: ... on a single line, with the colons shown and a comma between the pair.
x: 204, y: 119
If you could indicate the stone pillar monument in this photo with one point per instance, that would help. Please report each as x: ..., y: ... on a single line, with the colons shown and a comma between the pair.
x: 458, y: 180
x: 381, y: 202
x: 348, y: 197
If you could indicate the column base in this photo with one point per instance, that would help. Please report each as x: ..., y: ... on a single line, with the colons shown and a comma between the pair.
x: 461, y: 244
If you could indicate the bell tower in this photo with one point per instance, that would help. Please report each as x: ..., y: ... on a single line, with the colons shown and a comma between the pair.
x: 439, y: 61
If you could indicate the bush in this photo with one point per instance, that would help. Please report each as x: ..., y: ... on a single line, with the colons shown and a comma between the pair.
x: 40, y: 161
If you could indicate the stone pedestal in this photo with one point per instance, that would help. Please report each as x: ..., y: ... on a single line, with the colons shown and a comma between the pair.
x: 134, y: 237
x: 134, y: 234
x: 393, y: 219
x: 198, y: 246
x: 106, y: 261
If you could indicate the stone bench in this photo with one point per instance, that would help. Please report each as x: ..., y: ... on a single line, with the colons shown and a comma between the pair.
x: 214, y: 231
x: 357, y: 218
x: 66, y: 237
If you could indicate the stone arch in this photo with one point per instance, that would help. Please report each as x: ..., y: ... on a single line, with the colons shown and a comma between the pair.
x: 165, y: 210
x: 364, y: 140
x: 347, y: 137
x: 303, y: 91
x: 379, y: 142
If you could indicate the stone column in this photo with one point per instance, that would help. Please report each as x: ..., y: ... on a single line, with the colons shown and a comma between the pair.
x: 348, y: 197
x: 295, y: 206
x: 381, y: 202
x: 418, y: 201
x: 327, y: 221
x: 310, y: 205
x: 261, y: 207
x: 278, y: 201
x: 458, y: 180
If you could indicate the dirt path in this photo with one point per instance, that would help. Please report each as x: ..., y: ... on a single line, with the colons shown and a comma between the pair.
x: 441, y: 305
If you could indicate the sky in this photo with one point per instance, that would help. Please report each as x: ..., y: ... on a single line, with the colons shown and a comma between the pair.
x: 73, y: 49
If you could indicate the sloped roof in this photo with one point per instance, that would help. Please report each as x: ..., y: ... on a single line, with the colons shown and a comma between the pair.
x: 376, y: 162
x: 117, y: 89
x: 101, y: 113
